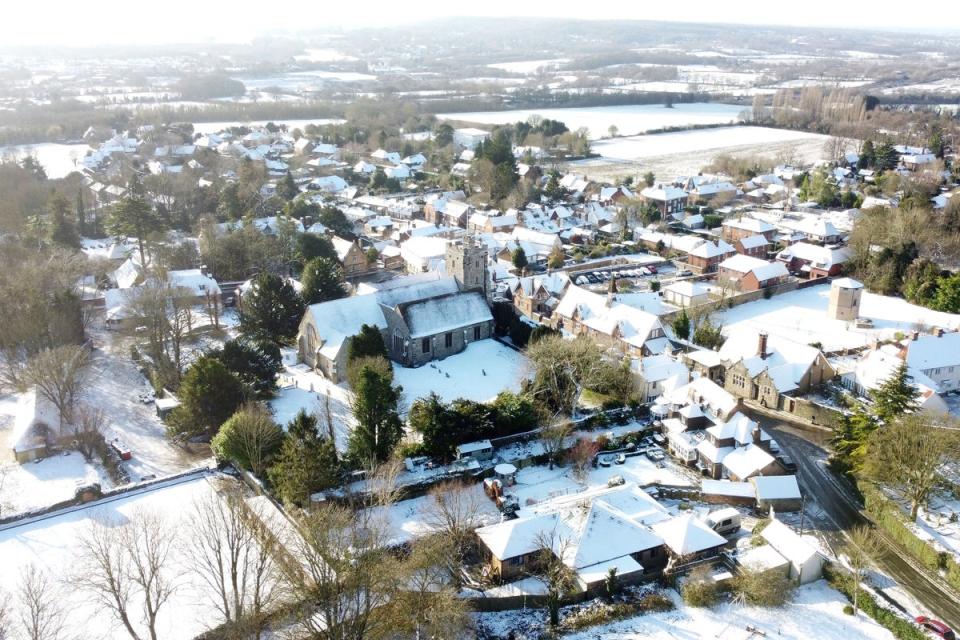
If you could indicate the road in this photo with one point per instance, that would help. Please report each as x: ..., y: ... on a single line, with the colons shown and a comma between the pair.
x: 840, y: 511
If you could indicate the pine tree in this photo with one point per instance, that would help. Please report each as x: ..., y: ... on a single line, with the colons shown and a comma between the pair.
x: 306, y: 463
x: 271, y: 311
x: 378, y: 426
x: 62, y: 230
x: 850, y: 440
x: 209, y: 394
x: 81, y: 213
x: 895, y: 396
x: 287, y: 188
x: 322, y: 281
x: 133, y: 216
x: 681, y: 325
x: 256, y: 363
x: 519, y: 259
x: 367, y: 343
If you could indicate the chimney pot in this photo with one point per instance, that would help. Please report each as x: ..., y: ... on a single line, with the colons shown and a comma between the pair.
x: 762, y: 344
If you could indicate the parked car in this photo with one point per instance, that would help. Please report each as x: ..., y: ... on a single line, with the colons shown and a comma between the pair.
x: 787, y: 462
x: 935, y: 628
x: 655, y: 454
x: 121, y: 449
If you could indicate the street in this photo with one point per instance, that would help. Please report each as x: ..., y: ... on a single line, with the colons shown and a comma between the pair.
x: 840, y: 511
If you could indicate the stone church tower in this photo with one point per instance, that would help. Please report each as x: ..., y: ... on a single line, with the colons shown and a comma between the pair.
x: 467, y: 262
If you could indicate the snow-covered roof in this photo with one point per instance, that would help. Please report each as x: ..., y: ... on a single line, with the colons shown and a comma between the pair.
x: 753, y: 242
x: 820, y: 257
x: 339, y: 320
x: 660, y: 367
x: 711, y: 250
x: 194, y: 280
x: 705, y: 357
x: 687, y: 534
x: 704, y: 391
x: 762, y: 558
x: 663, y: 193
x: 933, y: 352
x: 688, y: 288
x: 744, y: 462
x: 776, y: 487
x: 727, y: 488
x: 739, y: 427
x: 127, y: 274
x: 847, y: 283
x: 446, y: 313
x: 788, y: 543
x: 762, y: 269
x: 33, y: 411
x: 628, y: 323
x: 749, y: 224
x: 514, y: 538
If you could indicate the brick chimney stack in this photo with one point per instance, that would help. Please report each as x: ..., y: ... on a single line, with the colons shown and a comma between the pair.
x: 762, y: 345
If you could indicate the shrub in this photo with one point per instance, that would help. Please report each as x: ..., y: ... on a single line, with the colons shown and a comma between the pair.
x: 848, y: 609
x: 699, y: 589
x: 764, y: 588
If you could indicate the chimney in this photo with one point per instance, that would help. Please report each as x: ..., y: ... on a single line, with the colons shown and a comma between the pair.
x: 938, y: 331
x: 611, y: 292
x: 762, y: 344
x: 915, y: 335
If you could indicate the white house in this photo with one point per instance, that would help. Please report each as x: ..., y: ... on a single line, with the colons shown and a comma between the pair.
x: 806, y: 562
x: 938, y: 357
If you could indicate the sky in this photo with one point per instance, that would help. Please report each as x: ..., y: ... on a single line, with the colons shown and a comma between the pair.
x: 109, y: 22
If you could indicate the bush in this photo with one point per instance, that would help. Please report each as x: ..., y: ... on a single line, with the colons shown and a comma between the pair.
x: 699, y: 589
x: 848, y: 609
x: 764, y: 588
x: 900, y: 628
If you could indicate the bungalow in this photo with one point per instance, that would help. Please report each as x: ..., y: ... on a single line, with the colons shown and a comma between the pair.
x: 814, y: 261
x: 747, y: 273
x: 688, y: 539
x: 36, y: 427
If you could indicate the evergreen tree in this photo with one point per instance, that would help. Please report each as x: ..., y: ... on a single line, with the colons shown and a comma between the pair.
x: 322, y: 281
x: 379, y: 427
x: 311, y: 245
x: 256, y: 363
x: 431, y: 418
x: 707, y: 335
x: 271, y: 310
x: 948, y: 294
x: 209, y: 394
x: 519, y: 259
x: 334, y: 219
x: 681, y: 325
x: 62, y: 230
x: 249, y: 438
x: 287, y: 188
x: 850, y: 440
x: 368, y: 343
x: 81, y: 213
x: 133, y: 216
x: 867, y: 156
x: 306, y: 463
x: 895, y: 396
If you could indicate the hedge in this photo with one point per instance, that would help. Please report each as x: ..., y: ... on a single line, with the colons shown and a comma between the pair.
x: 889, y: 517
x: 900, y: 628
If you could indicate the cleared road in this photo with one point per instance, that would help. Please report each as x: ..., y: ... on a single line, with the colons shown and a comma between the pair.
x: 841, y: 511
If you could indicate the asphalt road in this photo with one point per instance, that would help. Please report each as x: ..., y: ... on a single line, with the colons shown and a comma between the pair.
x: 840, y: 511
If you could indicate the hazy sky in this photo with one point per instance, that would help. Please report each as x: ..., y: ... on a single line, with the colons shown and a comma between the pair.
x: 46, y: 22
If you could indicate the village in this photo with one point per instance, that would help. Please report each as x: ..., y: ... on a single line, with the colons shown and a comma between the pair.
x: 444, y: 380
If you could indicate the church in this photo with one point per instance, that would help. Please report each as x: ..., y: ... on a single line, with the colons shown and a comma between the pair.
x: 422, y: 317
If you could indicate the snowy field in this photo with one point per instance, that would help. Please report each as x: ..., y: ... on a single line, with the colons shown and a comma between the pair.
x: 527, y: 66
x: 479, y: 373
x: 638, y: 147
x: 51, y: 544
x: 57, y: 160
x: 801, y: 316
x: 816, y: 612
x: 629, y: 119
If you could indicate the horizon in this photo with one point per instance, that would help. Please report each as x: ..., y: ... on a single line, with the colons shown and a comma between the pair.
x: 62, y: 25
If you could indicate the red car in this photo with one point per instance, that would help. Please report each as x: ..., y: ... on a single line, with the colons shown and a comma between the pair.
x: 935, y: 627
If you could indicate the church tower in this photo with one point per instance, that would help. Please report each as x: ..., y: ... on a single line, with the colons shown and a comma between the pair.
x: 467, y: 263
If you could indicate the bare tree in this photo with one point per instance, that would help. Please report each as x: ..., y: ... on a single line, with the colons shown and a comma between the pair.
x: 38, y: 607
x: 6, y: 617
x: 909, y: 453
x: 383, y: 482
x: 556, y: 575
x: 429, y: 605
x: 235, y: 556
x: 581, y: 457
x: 125, y: 568
x: 862, y: 547
x: 552, y: 437
x: 88, y: 429
x: 342, y: 574
x: 59, y: 375
x: 454, y: 509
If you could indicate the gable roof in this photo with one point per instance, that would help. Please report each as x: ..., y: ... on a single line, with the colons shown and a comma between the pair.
x: 788, y: 543
x: 446, y: 313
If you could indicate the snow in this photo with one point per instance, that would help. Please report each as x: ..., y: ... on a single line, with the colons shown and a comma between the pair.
x: 815, y: 612
x: 24, y: 487
x: 439, y: 315
x: 57, y: 160
x: 629, y: 119
x: 301, y: 388
x: 776, y: 487
x: 801, y: 316
x: 51, y: 544
x: 480, y: 372
x: 638, y: 147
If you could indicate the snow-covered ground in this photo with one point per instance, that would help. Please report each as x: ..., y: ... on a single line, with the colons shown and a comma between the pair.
x: 816, y: 612
x: 115, y: 386
x: 939, y: 523
x: 480, y: 372
x: 204, y: 128
x: 51, y: 544
x: 638, y: 147
x: 301, y: 388
x: 38, y: 484
x: 801, y: 316
x: 629, y: 119
x: 57, y: 160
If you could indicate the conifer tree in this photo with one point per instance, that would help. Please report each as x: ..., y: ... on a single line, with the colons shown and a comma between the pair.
x: 895, y: 396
